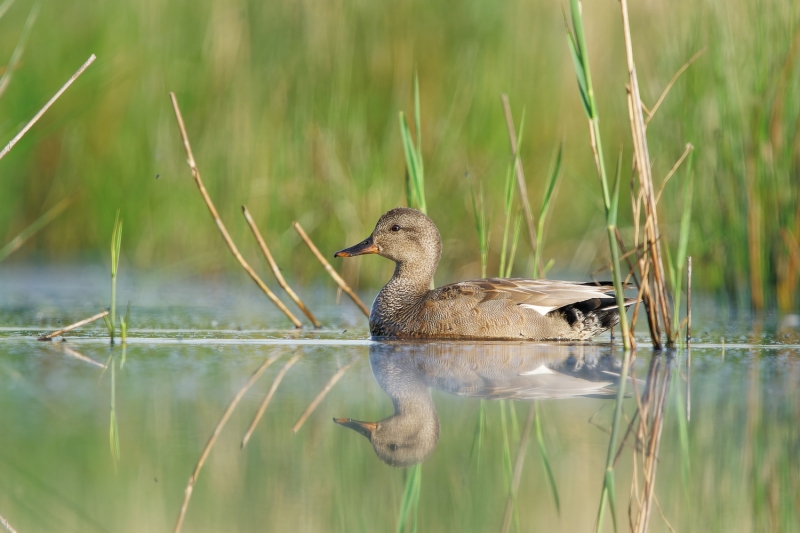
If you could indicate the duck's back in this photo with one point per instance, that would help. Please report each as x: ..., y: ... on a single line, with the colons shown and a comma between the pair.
x: 497, y: 308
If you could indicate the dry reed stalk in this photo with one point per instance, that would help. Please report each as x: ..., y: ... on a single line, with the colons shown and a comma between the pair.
x: 47, y: 106
x: 6, y: 525
x: 220, y: 226
x: 639, y: 135
x: 80, y: 356
x: 519, y: 462
x: 277, y: 271
x: 336, y: 277
x: 268, y: 398
x: 187, y: 495
x: 523, y: 189
x: 325, y: 390
x: 78, y: 324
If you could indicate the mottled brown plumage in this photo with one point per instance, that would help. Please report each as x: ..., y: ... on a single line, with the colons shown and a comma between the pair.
x: 493, y: 308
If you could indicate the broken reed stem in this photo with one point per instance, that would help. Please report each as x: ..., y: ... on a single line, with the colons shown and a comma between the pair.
x: 49, y: 103
x: 335, y: 275
x: 213, y: 438
x: 519, y: 462
x: 277, y: 271
x: 6, y: 525
x: 225, y: 235
x: 78, y: 324
x: 523, y: 189
x: 268, y: 398
x: 325, y: 390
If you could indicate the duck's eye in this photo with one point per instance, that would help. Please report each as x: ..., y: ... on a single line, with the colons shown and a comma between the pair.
x: 393, y: 447
x: 395, y: 228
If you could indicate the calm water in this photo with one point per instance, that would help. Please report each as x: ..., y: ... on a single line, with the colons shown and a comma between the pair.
x: 460, y: 410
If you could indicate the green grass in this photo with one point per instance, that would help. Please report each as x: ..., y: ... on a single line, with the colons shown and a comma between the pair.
x: 409, y: 506
x: 580, y: 56
x: 295, y: 113
x: 116, y: 244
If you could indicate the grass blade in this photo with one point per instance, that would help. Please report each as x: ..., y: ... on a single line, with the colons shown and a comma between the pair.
x: 551, y: 480
x: 16, y: 56
x: 50, y: 215
x: 480, y: 225
x: 552, y: 179
x: 410, y: 502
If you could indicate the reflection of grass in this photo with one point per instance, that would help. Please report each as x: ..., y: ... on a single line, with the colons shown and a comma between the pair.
x: 410, y: 503
x: 113, y: 427
x: 741, y: 450
x: 551, y: 480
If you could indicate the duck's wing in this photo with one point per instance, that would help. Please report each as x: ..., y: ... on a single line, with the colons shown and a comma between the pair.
x: 541, y: 295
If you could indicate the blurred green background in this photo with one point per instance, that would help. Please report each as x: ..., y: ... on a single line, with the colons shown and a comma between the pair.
x: 291, y: 106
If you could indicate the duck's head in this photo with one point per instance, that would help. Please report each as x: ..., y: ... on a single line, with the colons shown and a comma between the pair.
x: 403, y: 235
x: 399, y: 441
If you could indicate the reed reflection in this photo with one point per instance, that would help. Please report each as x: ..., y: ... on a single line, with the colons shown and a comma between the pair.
x: 407, y: 372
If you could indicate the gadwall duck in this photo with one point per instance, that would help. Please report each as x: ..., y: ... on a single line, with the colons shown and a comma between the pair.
x: 493, y: 308
x: 513, y: 371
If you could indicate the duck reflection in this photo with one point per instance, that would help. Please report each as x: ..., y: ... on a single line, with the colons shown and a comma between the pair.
x: 407, y: 372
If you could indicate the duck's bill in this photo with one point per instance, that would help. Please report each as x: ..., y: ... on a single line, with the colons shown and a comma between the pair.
x: 365, y: 428
x: 364, y: 247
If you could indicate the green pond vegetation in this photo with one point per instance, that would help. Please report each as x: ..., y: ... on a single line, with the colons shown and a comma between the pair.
x: 298, y: 110
x: 293, y: 111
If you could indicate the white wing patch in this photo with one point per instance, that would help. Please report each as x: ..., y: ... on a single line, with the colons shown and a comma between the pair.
x: 541, y: 309
x: 541, y: 369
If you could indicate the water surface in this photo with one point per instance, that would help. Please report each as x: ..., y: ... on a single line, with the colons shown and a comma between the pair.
x: 460, y: 410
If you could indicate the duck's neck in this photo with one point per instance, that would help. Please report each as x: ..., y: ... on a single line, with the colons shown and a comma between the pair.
x: 409, y: 285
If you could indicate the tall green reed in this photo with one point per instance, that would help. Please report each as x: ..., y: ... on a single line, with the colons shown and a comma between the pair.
x: 576, y: 41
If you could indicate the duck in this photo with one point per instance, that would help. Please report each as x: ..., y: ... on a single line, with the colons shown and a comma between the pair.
x: 492, y: 308
x: 494, y: 371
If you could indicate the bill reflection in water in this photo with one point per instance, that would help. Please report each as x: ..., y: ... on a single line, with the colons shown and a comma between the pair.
x: 407, y: 372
